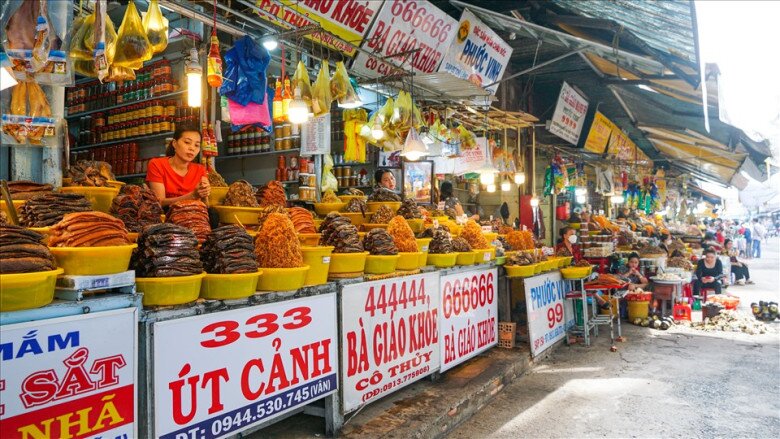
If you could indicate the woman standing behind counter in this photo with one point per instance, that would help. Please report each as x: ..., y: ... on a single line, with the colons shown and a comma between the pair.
x: 175, y: 177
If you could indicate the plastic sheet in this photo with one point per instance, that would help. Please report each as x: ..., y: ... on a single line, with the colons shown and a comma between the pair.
x: 244, y: 78
x: 132, y: 46
x: 156, y: 27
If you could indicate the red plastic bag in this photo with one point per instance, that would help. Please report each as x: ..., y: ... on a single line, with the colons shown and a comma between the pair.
x: 249, y: 114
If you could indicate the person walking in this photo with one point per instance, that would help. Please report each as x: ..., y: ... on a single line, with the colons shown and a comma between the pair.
x: 748, y: 240
x: 759, y: 232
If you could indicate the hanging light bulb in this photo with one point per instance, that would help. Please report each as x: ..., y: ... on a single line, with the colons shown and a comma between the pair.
x: 534, y: 201
x: 414, y: 148
x: 376, y: 131
x: 298, y: 111
x: 617, y: 199
x: 270, y: 43
x: 580, y: 191
x: 194, y: 79
x: 506, y: 185
x: 519, y: 178
x: 491, y: 188
x: 487, y: 174
x: 581, y: 199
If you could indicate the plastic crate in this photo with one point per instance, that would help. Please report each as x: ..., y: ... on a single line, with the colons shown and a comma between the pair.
x: 506, y: 334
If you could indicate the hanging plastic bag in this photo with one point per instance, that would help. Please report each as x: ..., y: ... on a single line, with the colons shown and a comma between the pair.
x: 42, y: 45
x: 402, y: 112
x: 156, y: 27
x: 85, y: 67
x: 340, y: 82
x: 300, y: 80
x: 120, y: 74
x: 82, y: 38
x: 132, y: 45
x: 243, y: 78
x: 329, y: 182
x: 321, y: 95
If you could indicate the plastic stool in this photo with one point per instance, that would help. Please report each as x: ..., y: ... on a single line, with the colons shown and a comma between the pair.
x: 681, y: 311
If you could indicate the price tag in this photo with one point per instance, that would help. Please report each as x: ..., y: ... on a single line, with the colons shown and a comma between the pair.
x: 486, y: 256
x: 326, y: 259
x: 487, y: 229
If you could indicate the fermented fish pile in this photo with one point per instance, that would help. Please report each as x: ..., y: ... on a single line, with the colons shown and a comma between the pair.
x: 137, y: 207
x: 379, y: 242
x: 88, y: 229
x: 91, y: 173
x: 166, y: 250
x: 191, y: 214
x: 47, y: 209
x: 241, y: 194
x: 383, y: 215
x: 228, y: 250
x: 302, y: 220
x: 339, y: 232
x: 276, y: 245
x: 441, y: 243
x: 21, y: 251
x: 409, y: 209
x: 24, y: 189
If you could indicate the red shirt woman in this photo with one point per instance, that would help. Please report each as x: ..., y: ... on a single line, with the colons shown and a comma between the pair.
x: 175, y: 177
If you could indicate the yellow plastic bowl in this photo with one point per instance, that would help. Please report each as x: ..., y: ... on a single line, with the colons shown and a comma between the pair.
x: 318, y: 260
x: 310, y: 239
x: 537, y: 268
x: 217, y: 195
x: 417, y: 225
x: 442, y: 260
x: 490, y: 236
x: 92, y: 261
x: 552, y: 264
x: 99, y: 197
x: 229, y: 286
x: 484, y: 255
x: 317, y: 223
x: 519, y: 270
x: 566, y: 261
x: 466, y: 258
x: 282, y: 279
x: 381, y: 264
x: 441, y: 219
x: 116, y: 184
x: 17, y: 205
x: 357, y: 218
x: 176, y: 290
x: 510, y: 253
x: 348, y: 198
x: 575, y: 272
x: 575, y: 226
x: 422, y: 244
x: 43, y: 231
x: 373, y: 206
x: 235, y: 214
x: 27, y: 290
x: 342, y: 263
x: 326, y: 208
x: 422, y: 259
x: 410, y: 260
x: 367, y: 227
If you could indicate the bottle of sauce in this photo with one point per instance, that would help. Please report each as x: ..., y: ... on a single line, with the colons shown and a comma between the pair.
x: 277, y: 103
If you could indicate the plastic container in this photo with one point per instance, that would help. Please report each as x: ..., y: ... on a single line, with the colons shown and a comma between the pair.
x: 410, y: 260
x: 99, y: 197
x: 282, y: 279
x: 229, y: 286
x: 566, y: 261
x: 681, y: 311
x: 381, y: 264
x: 357, y: 218
x: 309, y: 239
x: 348, y: 198
x: 318, y: 260
x: 217, y: 195
x: 466, y: 258
x: 373, y: 206
x: 422, y: 259
x: 43, y: 231
x: 92, y: 261
x: 367, y: 227
x: 348, y: 263
x: 519, y: 270
x: 238, y: 215
x: 484, y: 255
x: 575, y: 272
x: 116, y: 184
x: 317, y: 223
x: 417, y: 225
x: 500, y: 260
x: 326, y: 208
x: 537, y: 268
x: 442, y: 260
x: 490, y: 236
x: 17, y: 204
x: 27, y: 290
x: 423, y: 243
x: 176, y: 290
x: 638, y: 309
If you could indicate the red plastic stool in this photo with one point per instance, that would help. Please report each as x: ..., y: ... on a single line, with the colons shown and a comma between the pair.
x: 681, y: 311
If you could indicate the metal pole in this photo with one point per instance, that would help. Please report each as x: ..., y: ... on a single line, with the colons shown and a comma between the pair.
x: 538, y: 66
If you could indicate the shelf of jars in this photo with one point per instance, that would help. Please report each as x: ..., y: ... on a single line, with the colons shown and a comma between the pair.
x: 164, y: 97
x: 256, y: 154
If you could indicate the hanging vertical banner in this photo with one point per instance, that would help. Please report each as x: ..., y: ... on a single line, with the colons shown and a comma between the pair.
x: 349, y: 20
x: 315, y: 136
x: 598, y: 135
x: 569, y: 115
x: 402, y: 26
x: 476, y: 53
x: 70, y: 377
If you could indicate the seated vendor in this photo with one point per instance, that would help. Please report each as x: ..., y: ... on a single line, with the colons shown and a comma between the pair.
x: 175, y: 177
x: 567, y: 245
x: 738, y: 268
x: 709, y: 272
x: 632, y: 274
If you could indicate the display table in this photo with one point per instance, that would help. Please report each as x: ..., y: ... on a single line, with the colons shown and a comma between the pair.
x: 579, y: 292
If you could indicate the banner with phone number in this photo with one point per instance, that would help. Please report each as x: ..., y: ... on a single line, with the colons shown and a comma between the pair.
x: 221, y: 373
x: 401, y: 26
x: 390, y: 336
x: 469, y: 309
x: 545, y: 304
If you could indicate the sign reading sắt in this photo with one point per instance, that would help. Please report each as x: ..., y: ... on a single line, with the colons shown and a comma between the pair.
x: 218, y: 374
x: 569, y: 115
x: 545, y: 302
x: 390, y: 336
x: 70, y: 377
x: 401, y: 26
x: 469, y: 308
x: 315, y: 136
x: 476, y: 54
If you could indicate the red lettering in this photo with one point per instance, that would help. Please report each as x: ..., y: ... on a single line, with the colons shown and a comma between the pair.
x: 246, y: 390
x: 39, y: 388
x: 107, y: 368
x: 213, y: 378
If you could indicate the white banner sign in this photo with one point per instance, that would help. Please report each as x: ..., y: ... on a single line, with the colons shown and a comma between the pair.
x: 544, y: 301
x: 315, y: 136
x: 70, y: 377
x: 471, y: 159
x: 218, y: 374
x: 401, y: 26
x: 569, y: 115
x: 390, y: 336
x: 477, y: 53
x: 469, y: 309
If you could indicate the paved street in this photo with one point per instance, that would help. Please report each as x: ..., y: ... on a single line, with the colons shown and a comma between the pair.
x: 676, y: 383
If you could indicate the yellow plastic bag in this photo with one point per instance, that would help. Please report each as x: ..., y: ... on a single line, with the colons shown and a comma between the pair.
x: 132, y: 45
x: 119, y: 74
x: 329, y: 181
x: 321, y: 96
x: 340, y: 82
x: 78, y: 44
x: 301, y: 81
x: 402, y: 112
x: 85, y: 67
x: 156, y: 27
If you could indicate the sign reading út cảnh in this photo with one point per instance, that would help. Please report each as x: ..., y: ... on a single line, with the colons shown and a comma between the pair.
x: 390, y: 336
x: 218, y: 374
x: 569, y: 115
x: 401, y: 26
x: 544, y: 299
x: 476, y: 53
x: 70, y: 377
x: 468, y: 323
